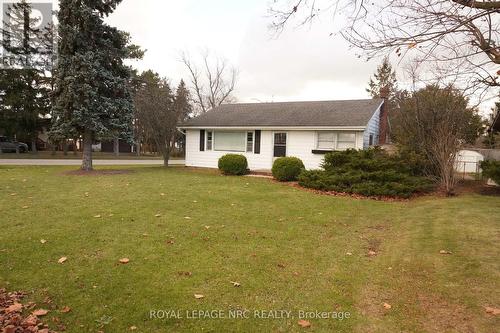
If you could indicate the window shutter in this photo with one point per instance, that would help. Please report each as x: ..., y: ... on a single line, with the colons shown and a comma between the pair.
x: 257, y: 142
x: 202, y: 140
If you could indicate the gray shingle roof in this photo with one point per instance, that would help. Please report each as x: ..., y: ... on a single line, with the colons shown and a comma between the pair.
x: 289, y: 114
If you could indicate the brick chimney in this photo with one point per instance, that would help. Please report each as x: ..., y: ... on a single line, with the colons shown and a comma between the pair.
x: 384, y: 121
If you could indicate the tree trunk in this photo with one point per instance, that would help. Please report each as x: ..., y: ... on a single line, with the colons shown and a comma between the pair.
x: 33, y: 146
x: 65, y: 147
x: 116, y: 146
x: 138, y: 148
x: 166, y: 154
x: 87, y: 151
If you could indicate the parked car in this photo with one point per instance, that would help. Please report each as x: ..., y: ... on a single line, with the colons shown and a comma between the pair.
x: 11, y: 146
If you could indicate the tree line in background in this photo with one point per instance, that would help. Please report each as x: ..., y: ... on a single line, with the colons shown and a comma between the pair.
x: 71, y: 81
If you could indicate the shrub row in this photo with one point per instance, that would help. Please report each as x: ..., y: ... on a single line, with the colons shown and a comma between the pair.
x: 368, y: 172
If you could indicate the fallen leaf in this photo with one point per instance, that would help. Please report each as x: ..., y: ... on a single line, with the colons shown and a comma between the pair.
x: 194, y: 201
x: 162, y: 194
x: 40, y: 312
x: 372, y: 253
x: 493, y: 311
x: 16, y: 307
x: 235, y: 284
x: 13, y: 194
x: 97, y: 216
x: 387, y: 306
x: 296, y: 273
x: 304, y: 323
x: 43, y: 241
x: 348, y: 254
x: 281, y: 265
x: 158, y: 215
x: 444, y: 252
x: 66, y: 309
x: 62, y: 260
x: 111, y: 215
x: 124, y: 260
x: 187, y: 217
x: 199, y: 296
x: 207, y: 227
x: 132, y: 328
x: 25, y: 207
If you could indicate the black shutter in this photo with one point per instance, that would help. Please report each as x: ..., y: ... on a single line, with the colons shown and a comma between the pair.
x: 202, y: 140
x: 257, y: 142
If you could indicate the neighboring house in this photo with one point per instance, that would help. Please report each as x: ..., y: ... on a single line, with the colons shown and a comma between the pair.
x: 264, y: 131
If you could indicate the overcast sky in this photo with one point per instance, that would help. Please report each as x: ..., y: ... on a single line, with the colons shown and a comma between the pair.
x: 301, y: 64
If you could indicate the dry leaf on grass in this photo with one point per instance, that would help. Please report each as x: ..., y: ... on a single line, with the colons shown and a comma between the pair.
x: 372, y: 253
x: 187, y: 217
x: 25, y: 207
x: 348, y: 254
x: 16, y: 307
x: 444, y: 252
x: 43, y: 241
x: 162, y: 194
x: 158, y: 215
x: 40, y: 312
x: 387, y: 306
x: 66, y: 309
x: 97, y: 216
x: 62, y: 260
x: 493, y: 311
x: 235, y: 284
x: 199, y: 296
x: 304, y: 323
x: 132, y: 328
x: 124, y: 260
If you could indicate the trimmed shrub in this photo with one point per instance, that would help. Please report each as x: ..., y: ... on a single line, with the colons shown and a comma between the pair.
x: 233, y: 164
x: 287, y: 169
x: 369, y: 172
x: 491, y: 169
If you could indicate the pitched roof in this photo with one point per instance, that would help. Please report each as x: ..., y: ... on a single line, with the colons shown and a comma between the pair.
x: 289, y: 114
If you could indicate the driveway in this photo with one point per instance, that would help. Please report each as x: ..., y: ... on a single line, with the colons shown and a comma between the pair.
x: 78, y: 162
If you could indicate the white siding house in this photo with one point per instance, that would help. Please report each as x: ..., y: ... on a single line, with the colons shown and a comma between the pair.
x: 264, y: 131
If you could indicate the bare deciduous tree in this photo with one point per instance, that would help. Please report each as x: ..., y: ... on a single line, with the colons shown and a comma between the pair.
x: 212, y: 82
x: 435, y: 122
x: 158, y: 111
x: 464, y: 33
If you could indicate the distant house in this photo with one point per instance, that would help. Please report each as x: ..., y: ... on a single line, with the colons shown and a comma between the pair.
x: 264, y: 131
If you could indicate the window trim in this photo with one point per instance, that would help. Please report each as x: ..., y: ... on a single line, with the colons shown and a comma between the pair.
x: 211, y: 141
x: 250, y: 144
x: 214, y: 138
x: 318, y: 149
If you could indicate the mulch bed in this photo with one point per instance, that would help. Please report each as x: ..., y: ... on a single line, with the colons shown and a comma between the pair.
x: 348, y: 195
x: 105, y: 172
x: 16, y: 317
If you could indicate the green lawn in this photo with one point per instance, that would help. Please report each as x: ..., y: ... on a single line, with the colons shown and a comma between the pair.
x: 286, y: 247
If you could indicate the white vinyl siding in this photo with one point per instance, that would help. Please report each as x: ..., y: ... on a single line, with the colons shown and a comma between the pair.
x: 372, y: 129
x: 300, y: 143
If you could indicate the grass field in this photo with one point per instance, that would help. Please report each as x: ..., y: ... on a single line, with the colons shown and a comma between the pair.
x: 195, y: 232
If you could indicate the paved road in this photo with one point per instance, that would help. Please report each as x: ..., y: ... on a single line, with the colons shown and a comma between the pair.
x: 78, y: 162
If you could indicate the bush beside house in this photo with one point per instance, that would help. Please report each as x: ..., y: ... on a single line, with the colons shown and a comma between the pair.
x: 287, y: 169
x: 491, y: 169
x: 233, y: 164
x: 368, y: 172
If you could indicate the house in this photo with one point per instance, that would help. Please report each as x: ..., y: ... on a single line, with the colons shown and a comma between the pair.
x: 264, y: 131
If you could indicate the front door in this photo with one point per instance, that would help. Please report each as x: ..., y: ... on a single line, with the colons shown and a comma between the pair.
x: 280, y: 144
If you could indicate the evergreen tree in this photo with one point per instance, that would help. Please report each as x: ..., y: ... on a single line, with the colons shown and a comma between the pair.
x: 25, y: 78
x: 385, y: 77
x: 91, y: 95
